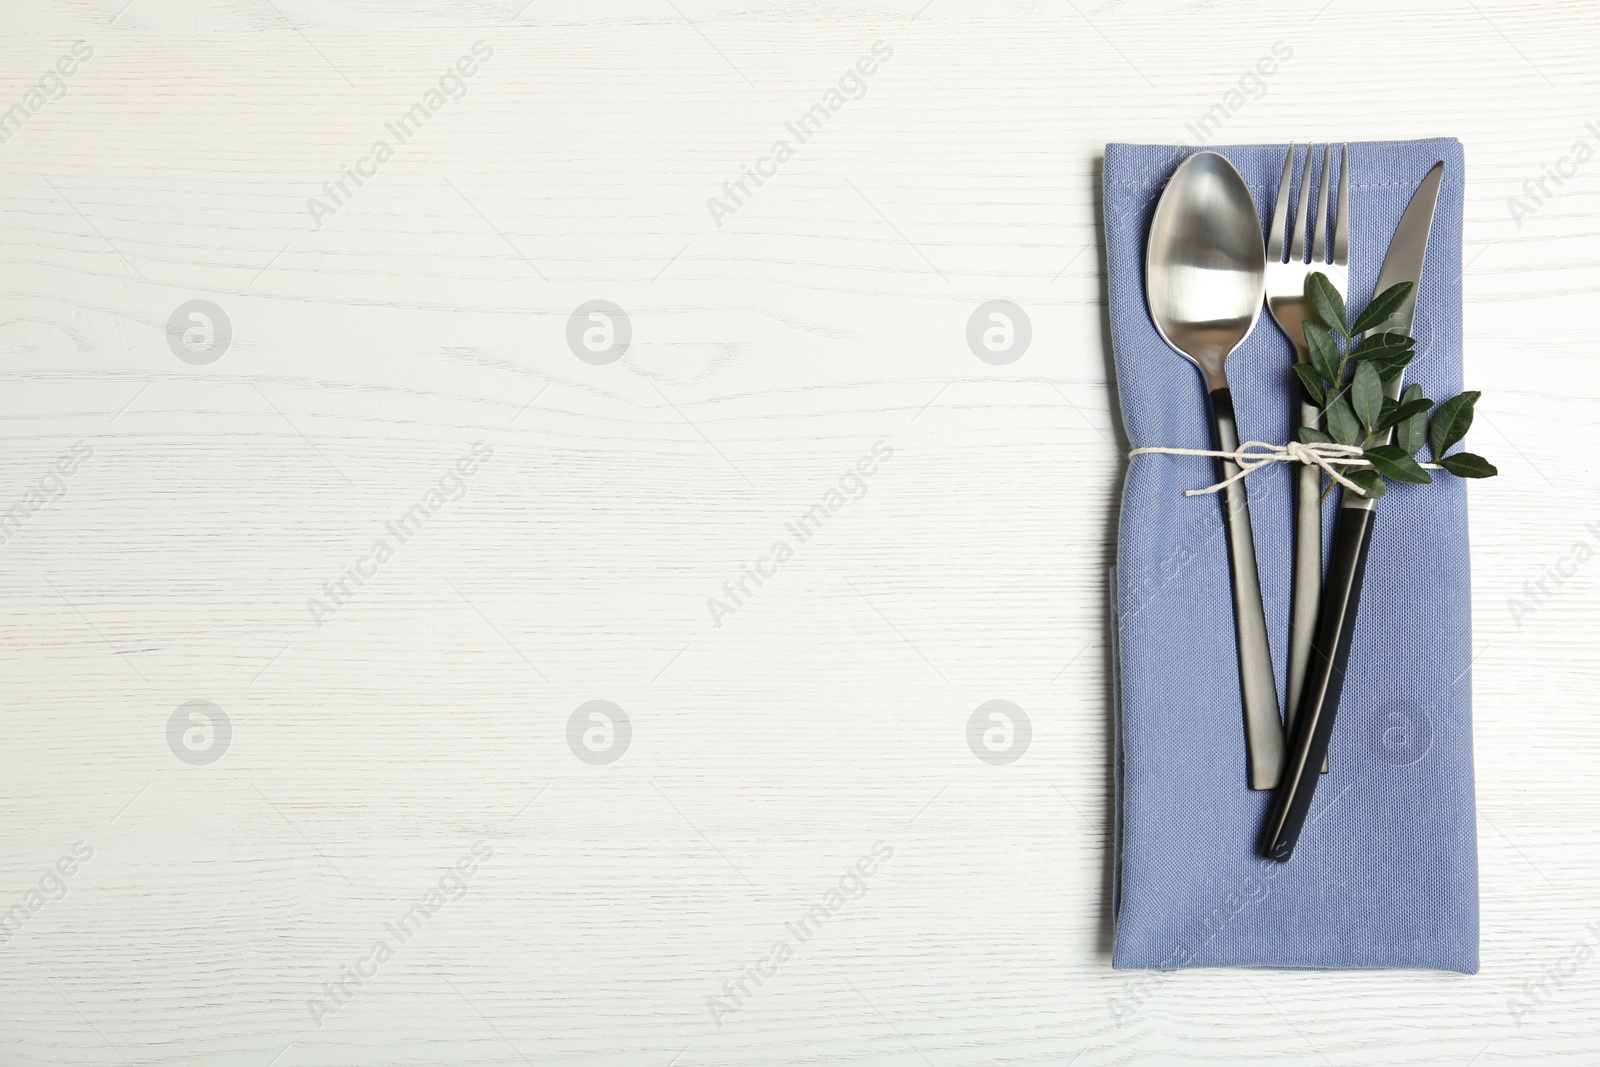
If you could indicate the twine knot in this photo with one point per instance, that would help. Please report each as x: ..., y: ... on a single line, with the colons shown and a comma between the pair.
x: 1253, y: 455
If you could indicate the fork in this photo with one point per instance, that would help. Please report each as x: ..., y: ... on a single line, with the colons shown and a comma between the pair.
x: 1286, y: 287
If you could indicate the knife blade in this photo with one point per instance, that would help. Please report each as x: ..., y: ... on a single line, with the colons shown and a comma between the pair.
x: 1403, y: 262
x: 1341, y: 594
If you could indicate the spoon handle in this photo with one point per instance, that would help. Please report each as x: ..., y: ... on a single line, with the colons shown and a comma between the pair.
x: 1263, y: 725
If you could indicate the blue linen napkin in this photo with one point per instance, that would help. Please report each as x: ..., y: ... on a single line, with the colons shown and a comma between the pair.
x: 1385, y: 873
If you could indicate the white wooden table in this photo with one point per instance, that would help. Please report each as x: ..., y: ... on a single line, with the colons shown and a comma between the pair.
x: 235, y: 864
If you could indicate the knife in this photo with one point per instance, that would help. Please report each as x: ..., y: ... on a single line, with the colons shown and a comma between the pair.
x: 1341, y: 591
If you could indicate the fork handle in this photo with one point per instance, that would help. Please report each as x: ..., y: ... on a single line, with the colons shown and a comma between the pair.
x: 1258, y: 687
x: 1307, y: 573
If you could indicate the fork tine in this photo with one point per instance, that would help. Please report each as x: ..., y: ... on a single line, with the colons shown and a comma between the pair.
x: 1280, y: 210
x: 1297, y: 250
x: 1319, y: 236
x: 1341, y: 229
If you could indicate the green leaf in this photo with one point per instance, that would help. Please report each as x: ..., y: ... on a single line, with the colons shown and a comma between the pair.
x: 1324, y: 354
x: 1467, y: 465
x: 1382, y: 346
x: 1311, y: 435
x: 1312, y: 382
x: 1366, y: 395
x: 1371, y: 483
x: 1392, y: 461
x: 1381, y: 307
x: 1451, y: 422
x: 1389, y: 369
x: 1410, y: 409
x: 1342, y: 423
x: 1327, y: 303
x: 1411, y: 431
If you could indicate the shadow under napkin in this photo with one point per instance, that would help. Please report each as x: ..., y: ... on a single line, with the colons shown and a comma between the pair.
x: 1385, y: 874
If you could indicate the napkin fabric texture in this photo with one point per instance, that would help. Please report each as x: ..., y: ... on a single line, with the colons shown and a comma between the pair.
x: 1385, y: 873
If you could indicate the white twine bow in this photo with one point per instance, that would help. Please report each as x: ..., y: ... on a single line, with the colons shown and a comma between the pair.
x: 1253, y: 455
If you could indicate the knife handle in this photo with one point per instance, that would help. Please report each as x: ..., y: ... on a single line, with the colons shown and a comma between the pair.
x: 1258, y: 687
x: 1330, y: 653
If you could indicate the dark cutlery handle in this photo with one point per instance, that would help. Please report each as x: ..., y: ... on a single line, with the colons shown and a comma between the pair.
x: 1263, y: 724
x: 1330, y: 652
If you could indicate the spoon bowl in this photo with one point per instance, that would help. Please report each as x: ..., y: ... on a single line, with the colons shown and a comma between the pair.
x: 1206, y: 265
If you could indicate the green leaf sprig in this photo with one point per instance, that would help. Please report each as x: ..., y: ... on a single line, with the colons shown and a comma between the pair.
x: 1347, y: 376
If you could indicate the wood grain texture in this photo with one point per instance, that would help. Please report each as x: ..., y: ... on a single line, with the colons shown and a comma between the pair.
x: 372, y: 347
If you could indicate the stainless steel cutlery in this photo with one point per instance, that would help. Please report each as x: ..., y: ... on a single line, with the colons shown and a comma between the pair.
x: 1205, y: 270
x: 1207, y: 275
x: 1286, y: 288
x: 1330, y: 650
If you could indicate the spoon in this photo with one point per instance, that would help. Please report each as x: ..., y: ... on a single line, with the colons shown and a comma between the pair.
x: 1205, y: 281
